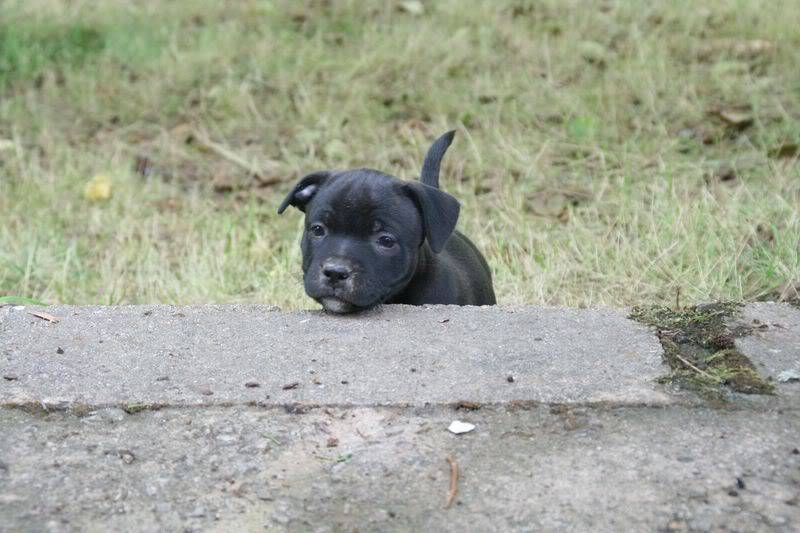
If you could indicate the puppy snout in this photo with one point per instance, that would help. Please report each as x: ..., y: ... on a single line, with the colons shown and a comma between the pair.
x: 336, y: 270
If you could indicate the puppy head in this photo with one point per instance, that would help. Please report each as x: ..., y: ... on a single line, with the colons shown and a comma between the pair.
x: 363, y: 231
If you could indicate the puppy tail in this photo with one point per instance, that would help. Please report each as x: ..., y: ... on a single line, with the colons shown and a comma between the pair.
x: 433, y: 159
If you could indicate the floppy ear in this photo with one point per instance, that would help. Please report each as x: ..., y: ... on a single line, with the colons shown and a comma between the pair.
x: 439, y: 213
x: 433, y: 159
x: 305, y: 189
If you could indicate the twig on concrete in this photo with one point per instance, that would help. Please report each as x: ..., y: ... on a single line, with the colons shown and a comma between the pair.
x: 451, y: 497
x: 44, y: 316
x: 690, y: 365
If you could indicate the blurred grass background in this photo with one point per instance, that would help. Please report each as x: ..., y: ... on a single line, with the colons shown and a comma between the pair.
x: 608, y: 152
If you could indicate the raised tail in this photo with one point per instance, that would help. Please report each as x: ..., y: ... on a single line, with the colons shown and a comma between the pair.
x: 433, y: 159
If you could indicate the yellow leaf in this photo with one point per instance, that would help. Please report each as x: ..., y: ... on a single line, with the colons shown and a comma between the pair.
x: 98, y: 188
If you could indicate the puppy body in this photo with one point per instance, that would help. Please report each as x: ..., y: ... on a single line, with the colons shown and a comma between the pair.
x: 457, y: 275
x: 372, y: 238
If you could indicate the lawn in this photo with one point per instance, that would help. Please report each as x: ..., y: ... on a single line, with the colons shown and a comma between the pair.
x: 610, y: 152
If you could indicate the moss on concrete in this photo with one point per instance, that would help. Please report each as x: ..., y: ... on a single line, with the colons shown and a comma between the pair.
x: 699, y: 348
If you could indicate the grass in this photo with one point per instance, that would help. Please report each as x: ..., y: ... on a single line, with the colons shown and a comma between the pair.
x: 608, y: 152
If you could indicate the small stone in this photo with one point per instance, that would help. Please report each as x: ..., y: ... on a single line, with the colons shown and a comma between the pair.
x: 739, y: 483
x: 458, y: 427
x: 162, y: 378
x: 333, y: 442
x: 126, y: 456
x: 788, y: 375
x: 252, y: 384
x: 10, y: 377
x: 292, y: 385
x: 510, y: 378
x: 59, y: 350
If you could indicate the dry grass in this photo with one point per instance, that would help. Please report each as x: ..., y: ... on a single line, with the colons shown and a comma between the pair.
x: 608, y: 152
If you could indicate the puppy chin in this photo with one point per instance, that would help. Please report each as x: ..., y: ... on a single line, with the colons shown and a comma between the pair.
x: 336, y: 306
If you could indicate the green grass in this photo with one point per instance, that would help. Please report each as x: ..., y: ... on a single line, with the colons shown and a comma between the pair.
x: 588, y: 154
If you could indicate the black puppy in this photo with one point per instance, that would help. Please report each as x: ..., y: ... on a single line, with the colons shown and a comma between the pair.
x: 371, y: 238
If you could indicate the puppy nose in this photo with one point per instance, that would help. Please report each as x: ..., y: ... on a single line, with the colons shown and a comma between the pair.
x: 336, y: 271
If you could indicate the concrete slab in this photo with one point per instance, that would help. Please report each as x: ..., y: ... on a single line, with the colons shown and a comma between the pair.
x: 774, y: 345
x: 396, y: 355
x: 385, y: 469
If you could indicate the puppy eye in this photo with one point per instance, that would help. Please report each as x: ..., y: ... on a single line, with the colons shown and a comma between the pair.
x: 386, y: 241
x: 316, y: 230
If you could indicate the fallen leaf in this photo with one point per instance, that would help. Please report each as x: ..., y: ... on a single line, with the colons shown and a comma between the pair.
x: 333, y: 442
x: 743, y: 50
x: 458, y: 427
x: 751, y: 49
x: 224, y: 183
x: 45, y: 316
x: 786, y: 150
x: 734, y: 118
x: 290, y: 386
x: 412, y: 7
x: 98, y: 188
x: 555, y: 203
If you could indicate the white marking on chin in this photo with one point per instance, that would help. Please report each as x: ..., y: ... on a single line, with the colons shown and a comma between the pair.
x: 335, y: 305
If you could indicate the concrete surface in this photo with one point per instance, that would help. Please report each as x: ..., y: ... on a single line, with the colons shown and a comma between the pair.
x: 398, y: 355
x: 774, y: 345
x: 544, y: 469
x: 583, y: 439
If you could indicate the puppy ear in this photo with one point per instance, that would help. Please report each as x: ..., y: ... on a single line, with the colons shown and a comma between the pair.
x: 433, y: 159
x: 305, y: 189
x: 439, y: 213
